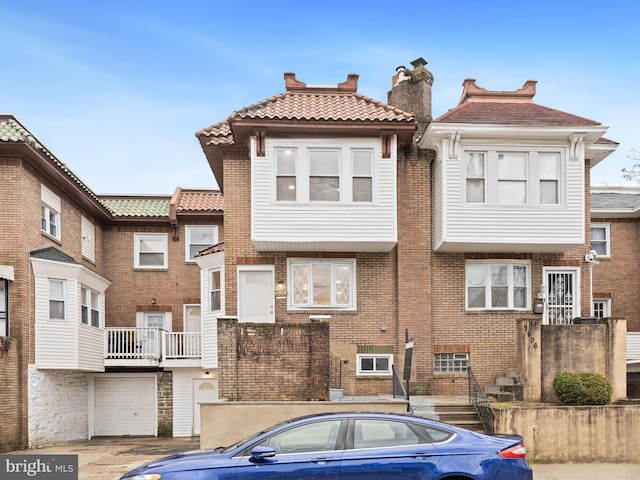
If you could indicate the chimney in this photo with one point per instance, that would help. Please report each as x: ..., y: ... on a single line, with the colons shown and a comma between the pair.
x: 411, y: 92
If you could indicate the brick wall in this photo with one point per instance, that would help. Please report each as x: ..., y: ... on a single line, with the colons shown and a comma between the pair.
x: 618, y: 277
x: 273, y: 361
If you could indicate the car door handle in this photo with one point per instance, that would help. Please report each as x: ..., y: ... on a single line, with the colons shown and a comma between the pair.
x: 323, y: 461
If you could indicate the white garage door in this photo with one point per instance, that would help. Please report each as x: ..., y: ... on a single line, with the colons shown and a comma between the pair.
x: 125, y: 406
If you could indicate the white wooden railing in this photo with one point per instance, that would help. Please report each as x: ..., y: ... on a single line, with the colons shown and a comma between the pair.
x: 181, y: 345
x: 123, y: 343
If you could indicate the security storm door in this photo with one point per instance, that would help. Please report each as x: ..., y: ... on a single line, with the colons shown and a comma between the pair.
x: 562, y: 295
x: 256, y: 294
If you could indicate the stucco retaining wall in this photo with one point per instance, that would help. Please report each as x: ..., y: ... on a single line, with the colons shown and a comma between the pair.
x: 575, y: 434
x: 223, y: 423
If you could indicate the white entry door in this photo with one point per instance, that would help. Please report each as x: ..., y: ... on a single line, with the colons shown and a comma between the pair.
x: 205, y: 390
x: 125, y: 405
x: 256, y: 295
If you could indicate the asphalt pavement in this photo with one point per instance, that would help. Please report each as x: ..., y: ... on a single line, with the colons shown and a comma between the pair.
x: 108, y: 458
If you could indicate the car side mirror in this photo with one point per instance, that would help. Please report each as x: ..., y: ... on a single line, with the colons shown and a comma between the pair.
x: 261, y: 452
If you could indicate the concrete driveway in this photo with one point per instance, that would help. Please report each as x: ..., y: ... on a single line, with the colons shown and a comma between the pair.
x: 109, y: 458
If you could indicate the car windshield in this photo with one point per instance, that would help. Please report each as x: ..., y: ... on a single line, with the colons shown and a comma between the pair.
x: 235, y: 445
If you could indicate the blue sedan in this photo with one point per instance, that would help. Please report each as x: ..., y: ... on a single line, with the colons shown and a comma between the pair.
x: 354, y: 446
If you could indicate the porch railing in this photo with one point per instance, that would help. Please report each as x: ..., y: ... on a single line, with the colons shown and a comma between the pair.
x: 132, y: 343
x: 181, y: 345
x: 398, y: 387
x: 335, y: 371
x: 480, y: 402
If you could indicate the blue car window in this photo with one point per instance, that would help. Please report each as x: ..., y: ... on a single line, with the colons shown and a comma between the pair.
x: 375, y: 433
x: 313, y: 437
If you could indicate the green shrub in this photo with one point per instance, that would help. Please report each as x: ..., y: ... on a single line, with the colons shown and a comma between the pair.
x: 582, y: 389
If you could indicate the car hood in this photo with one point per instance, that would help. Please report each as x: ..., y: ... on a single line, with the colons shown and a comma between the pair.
x: 191, y: 460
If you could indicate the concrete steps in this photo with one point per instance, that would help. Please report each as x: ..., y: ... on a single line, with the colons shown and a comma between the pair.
x: 506, y: 389
x: 460, y: 414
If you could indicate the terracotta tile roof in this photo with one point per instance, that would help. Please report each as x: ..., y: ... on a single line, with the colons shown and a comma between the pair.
x: 511, y: 113
x: 11, y: 131
x: 316, y: 104
x: 220, y: 133
x: 138, y: 207
x: 218, y: 247
x: 200, y: 201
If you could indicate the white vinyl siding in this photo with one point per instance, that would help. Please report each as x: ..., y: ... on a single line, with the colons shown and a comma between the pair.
x: 460, y: 225
x: 284, y: 222
x: 68, y: 344
x: 209, y: 329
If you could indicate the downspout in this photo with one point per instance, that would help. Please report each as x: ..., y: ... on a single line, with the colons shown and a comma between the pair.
x: 173, y: 213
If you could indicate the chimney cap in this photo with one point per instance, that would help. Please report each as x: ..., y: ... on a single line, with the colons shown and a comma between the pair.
x: 419, y: 62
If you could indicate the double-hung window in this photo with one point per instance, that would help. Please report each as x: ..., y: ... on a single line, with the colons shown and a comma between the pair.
x: 497, y: 286
x: 215, y: 290
x: 601, y: 239
x: 321, y: 283
x: 199, y: 238
x: 57, y: 299
x: 513, y: 177
x: 328, y: 174
x: 324, y: 174
x: 90, y: 307
x: 50, y: 208
x: 150, y: 250
x: 286, y: 159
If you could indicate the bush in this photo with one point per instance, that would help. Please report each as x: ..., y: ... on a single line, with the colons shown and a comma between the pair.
x: 582, y: 389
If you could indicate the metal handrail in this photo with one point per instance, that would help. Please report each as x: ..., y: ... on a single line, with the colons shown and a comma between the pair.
x: 398, y: 387
x: 480, y: 403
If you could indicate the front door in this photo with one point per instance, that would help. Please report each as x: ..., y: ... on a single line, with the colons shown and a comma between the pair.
x: 205, y: 390
x: 256, y: 295
x: 563, y: 296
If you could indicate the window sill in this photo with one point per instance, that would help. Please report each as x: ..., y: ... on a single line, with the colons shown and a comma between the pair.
x: 51, y: 237
x: 151, y: 269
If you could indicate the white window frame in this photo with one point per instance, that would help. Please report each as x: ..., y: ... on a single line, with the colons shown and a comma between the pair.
x: 375, y: 372
x: 487, y: 264
x: 90, y: 305
x: 533, y: 179
x: 346, y: 175
x: 607, y: 238
x: 310, y: 262
x: 189, y: 241
x: 605, y: 307
x: 212, y: 290
x: 454, y: 363
x: 140, y: 237
x: 62, y: 299
x: 50, y: 213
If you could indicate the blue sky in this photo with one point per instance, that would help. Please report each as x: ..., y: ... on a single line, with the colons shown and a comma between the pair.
x: 117, y: 89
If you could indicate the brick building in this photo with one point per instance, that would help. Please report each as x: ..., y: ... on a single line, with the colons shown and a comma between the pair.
x: 382, y: 221
x: 348, y: 224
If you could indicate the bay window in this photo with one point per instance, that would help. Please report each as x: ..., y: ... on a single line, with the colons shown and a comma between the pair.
x: 57, y: 299
x: 90, y: 307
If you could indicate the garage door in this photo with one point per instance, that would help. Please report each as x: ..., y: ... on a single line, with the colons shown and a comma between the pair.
x: 125, y: 406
